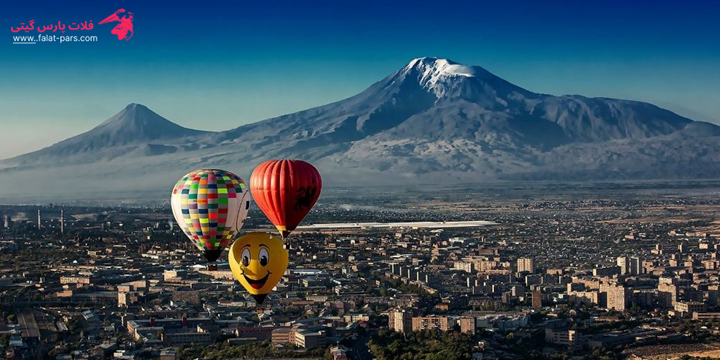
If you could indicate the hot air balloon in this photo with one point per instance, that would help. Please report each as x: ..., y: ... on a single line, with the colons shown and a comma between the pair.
x: 285, y: 190
x: 258, y: 261
x: 210, y: 206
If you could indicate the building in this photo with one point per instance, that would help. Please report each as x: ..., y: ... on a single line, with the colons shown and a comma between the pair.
x: 400, y: 320
x: 566, y: 337
x: 502, y: 321
x: 173, y: 332
x: 187, y: 338
x: 133, y: 286
x: 310, y: 339
x: 126, y: 299
x: 257, y: 333
x: 97, y: 297
x: 610, y: 339
x: 174, y: 275
x: 629, y: 265
x: 684, y: 247
x: 667, y: 295
x: 534, y: 279
x: 658, y: 250
x: 106, y: 350
x: 590, y: 298
x: 645, y: 298
x: 430, y: 323
x: 623, y: 264
x: 467, y: 325
x: 687, y: 308
x: 350, y: 317
x: 467, y: 267
x: 606, y: 271
x: 526, y: 265
x: 189, y: 296
x: 705, y: 316
x: 537, y: 299
x: 284, y: 335
x: 78, y: 280
x: 618, y: 297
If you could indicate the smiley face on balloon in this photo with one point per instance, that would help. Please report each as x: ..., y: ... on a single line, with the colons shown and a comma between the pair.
x: 258, y: 261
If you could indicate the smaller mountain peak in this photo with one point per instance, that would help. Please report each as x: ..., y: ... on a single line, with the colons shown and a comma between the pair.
x: 137, y: 122
x: 135, y: 106
x: 134, y: 110
x: 135, y: 115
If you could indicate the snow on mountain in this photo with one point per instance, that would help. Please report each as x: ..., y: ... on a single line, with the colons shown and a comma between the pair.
x: 434, y: 71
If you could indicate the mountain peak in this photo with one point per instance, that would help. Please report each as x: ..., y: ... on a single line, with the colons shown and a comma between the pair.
x: 137, y: 116
x: 135, y: 106
x: 135, y: 123
x: 135, y: 110
x: 447, y: 79
x: 135, y: 129
x: 138, y: 122
x: 432, y: 68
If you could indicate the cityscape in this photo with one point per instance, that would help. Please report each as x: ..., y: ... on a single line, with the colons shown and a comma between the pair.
x: 608, y: 271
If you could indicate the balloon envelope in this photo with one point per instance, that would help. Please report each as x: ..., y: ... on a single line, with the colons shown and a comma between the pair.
x: 258, y: 261
x: 285, y: 190
x: 210, y: 206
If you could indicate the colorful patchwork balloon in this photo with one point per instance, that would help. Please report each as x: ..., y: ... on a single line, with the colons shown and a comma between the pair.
x: 210, y: 206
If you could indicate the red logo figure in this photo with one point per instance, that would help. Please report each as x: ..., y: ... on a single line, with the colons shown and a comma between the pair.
x: 123, y: 30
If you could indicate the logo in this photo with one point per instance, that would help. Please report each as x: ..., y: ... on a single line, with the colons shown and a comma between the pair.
x: 123, y: 30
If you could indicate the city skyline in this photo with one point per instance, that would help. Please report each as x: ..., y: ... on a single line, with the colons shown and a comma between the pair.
x: 566, y: 272
x: 238, y: 64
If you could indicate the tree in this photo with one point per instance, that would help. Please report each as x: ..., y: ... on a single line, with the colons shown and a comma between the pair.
x: 510, y: 337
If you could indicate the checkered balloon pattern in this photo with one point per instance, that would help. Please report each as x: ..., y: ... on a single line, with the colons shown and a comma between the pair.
x: 210, y: 206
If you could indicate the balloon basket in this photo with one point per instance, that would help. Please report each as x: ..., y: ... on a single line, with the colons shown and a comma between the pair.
x: 211, y: 267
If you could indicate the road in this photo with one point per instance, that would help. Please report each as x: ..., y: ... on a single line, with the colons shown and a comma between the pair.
x: 359, y: 350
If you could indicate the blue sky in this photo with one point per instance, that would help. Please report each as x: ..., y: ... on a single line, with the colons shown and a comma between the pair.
x: 219, y: 65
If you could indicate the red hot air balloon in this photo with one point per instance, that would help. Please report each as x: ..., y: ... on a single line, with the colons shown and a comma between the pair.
x: 285, y: 190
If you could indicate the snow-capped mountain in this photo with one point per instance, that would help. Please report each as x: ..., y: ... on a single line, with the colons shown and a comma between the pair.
x: 431, y: 120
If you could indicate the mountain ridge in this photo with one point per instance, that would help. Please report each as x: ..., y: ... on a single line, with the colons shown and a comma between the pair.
x: 431, y: 120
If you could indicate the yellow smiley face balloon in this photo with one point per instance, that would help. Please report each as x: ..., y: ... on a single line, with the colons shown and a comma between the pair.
x: 258, y: 261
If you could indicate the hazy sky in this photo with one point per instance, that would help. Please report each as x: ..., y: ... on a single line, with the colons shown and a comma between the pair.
x: 217, y: 67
